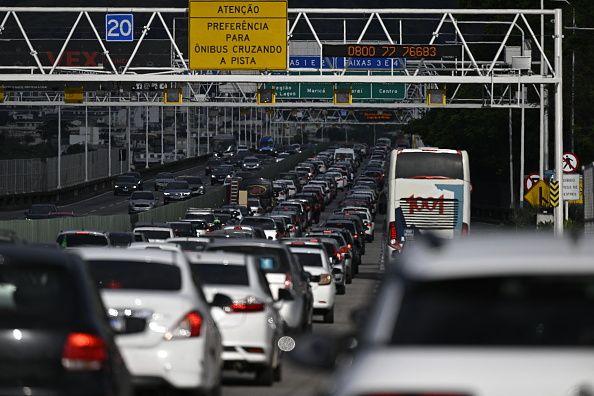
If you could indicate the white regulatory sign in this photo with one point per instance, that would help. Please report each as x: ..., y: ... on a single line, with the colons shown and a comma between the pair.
x: 571, y: 187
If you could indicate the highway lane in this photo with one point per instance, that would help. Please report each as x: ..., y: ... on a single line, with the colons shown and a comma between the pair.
x: 299, y: 381
x: 106, y: 203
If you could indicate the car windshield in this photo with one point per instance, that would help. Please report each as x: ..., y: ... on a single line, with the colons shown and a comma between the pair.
x: 135, y: 275
x: 121, y: 239
x: 271, y: 260
x: 192, y: 180
x: 81, y: 239
x: 520, y: 311
x: 182, y: 229
x: 142, y: 195
x: 178, y: 185
x: 253, y: 202
x: 164, y: 176
x: 155, y: 234
x: 263, y: 223
x: 36, y: 296
x: 218, y: 274
x: 250, y: 160
x: 225, y: 168
x: 308, y: 259
x: 125, y: 179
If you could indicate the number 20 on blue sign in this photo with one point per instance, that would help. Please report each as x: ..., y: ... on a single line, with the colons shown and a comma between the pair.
x: 119, y: 27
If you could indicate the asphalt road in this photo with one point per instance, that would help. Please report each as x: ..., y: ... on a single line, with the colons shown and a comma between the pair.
x: 299, y: 381
x: 106, y: 203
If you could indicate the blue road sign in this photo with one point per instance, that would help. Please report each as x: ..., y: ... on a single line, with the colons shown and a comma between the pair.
x: 313, y: 62
x: 119, y: 27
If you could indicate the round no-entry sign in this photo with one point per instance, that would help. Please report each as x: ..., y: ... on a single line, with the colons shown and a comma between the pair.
x: 570, y: 163
x: 531, y: 180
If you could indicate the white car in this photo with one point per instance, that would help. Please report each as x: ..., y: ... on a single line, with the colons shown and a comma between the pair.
x: 155, y: 234
x: 322, y: 283
x: 340, y: 179
x: 266, y: 224
x: 366, y: 217
x: 243, y: 307
x: 481, y: 317
x: 290, y: 185
x: 166, y: 333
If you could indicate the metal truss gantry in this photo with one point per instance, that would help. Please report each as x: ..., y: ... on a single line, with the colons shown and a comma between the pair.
x: 481, y: 63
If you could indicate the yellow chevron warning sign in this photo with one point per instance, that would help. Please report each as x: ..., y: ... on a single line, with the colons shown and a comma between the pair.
x: 554, y: 193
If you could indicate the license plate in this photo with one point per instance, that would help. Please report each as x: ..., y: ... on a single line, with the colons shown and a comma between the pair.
x: 409, y: 234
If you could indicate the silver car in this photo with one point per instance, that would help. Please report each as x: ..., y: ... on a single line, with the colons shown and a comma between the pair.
x: 284, y: 274
x: 141, y: 201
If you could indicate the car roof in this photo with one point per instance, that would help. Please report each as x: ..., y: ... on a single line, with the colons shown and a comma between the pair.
x: 499, y: 255
x: 222, y: 258
x: 250, y: 242
x: 103, y: 254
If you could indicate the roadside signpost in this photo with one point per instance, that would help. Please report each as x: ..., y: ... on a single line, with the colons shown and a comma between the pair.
x: 531, y: 180
x: 238, y: 35
x: 571, y: 187
x: 539, y: 195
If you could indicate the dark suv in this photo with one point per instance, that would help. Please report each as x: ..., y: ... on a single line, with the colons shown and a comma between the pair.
x: 54, y: 336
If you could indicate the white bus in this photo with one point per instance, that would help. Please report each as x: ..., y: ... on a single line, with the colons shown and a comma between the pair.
x: 428, y: 190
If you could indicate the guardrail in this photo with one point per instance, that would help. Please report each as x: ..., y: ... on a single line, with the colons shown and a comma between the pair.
x: 71, y: 194
x: 46, y: 230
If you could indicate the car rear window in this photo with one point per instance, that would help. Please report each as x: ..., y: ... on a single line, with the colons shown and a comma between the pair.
x: 122, y: 239
x: 191, y: 246
x: 36, y: 296
x: 308, y: 259
x: 218, y: 274
x: 347, y: 225
x: 265, y: 224
x: 270, y: 260
x: 135, y: 275
x: 503, y: 311
x: 81, y: 239
x: 155, y: 234
x: 142, y: 195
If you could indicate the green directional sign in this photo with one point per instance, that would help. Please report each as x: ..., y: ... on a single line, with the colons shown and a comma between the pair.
x: 362, y: 92
x: 316, y: 91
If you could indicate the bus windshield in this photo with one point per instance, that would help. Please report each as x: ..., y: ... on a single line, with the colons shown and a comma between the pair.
x: 426, y: 164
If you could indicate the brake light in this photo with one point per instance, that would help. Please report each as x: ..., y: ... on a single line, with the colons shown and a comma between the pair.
x: 189, y: 327
x: 338, y: 256
x: 249, y: 304
x: 465, y: 229
x: 345, y: 249
x: 325, y: 279
x: 356, y: 236
x: 83, y: 352
x: 288, y: 281
x: 393, y: 234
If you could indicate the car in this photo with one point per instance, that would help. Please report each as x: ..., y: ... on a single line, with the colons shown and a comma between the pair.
x: 315, y: 263
x: 163, y: 179
x: 176, y: 191
x: 290, y: 220
x: 40, y: 211
x: 251, y: 163
x: 267, y: 224
x: 255, y: 206
x: 230, y: 233
x: 184, y: 229
x: 141, y: 201
x: 220, y: 173
x: 244, y: 310
x: 125, y: 185
x: 120, y: 239
x: 290, y: 184
x: 193, y: 244
x: 474, y: 321
x: 155, y: 233
x: 55, y: 338
x: 253, y: 231
x: 195, y: 183
x: 282, y: 272
x: 282, y: 156
x: 138, y: 177
x: 77, y: 238
x: 212, y: 164
x: 166, y: 333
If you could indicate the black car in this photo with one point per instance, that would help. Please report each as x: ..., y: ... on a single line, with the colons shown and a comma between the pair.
x: 195, y: 183
x: 212, y: 164
x: 54, y: 335
x: 220, y: 173
x: 138, y: 177
x: 125, y: 185
x: 40, y: 211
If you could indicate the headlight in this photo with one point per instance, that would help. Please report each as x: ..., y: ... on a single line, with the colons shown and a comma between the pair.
x: 134, y: 186
x: 116, y: 186
x: 166, y: 193
x: 212, y: 176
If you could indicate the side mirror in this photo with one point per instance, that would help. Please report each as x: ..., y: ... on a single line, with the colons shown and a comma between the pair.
x: 221, y: 301
x: 285, y: 295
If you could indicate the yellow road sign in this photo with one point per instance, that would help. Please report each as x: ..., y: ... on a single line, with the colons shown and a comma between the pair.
x: 581, y: 200
x: 538, y: 195
x: 554, y: 193
x: 237, y: 35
